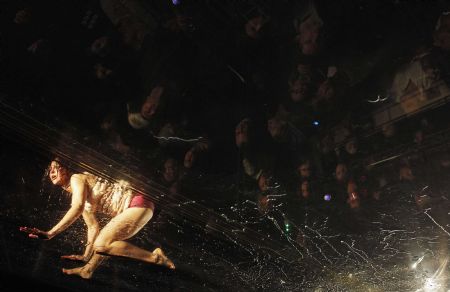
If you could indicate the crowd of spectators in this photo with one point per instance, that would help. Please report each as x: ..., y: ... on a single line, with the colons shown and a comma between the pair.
x: 169, y: 83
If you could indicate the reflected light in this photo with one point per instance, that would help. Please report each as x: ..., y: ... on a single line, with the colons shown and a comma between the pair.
x: 414, y: 265
x: 431, y: 285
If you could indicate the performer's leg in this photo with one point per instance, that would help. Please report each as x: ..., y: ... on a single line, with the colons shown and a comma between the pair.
x: 110, y: 242
x: 88, y: 269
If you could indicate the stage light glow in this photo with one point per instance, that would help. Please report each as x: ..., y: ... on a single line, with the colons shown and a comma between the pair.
x: 431, y: 285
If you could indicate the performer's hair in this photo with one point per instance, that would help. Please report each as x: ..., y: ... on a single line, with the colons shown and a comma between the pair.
x: 62, y: 162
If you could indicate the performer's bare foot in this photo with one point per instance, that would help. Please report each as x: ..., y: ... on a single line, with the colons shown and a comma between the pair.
x: 162, y: 259
x: 78, y: 271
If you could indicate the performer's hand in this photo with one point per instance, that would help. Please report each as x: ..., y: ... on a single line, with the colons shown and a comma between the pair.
x: 74, y: 257
x: 36, y: 233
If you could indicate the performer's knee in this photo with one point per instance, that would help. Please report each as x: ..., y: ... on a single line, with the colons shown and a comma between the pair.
x: 101, y: 247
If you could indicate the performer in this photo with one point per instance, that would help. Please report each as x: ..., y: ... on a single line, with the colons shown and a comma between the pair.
x: 130, y: 211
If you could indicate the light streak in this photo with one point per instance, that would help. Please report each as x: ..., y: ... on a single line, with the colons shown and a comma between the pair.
x: 178, y: 139
x: 414, y: 266
x: 236, y: 73
x: 379, y: 99
x: 384, y: 160
x: 434, y: 221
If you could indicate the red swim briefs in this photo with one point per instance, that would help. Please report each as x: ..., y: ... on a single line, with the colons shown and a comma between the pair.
x: 141, y: 201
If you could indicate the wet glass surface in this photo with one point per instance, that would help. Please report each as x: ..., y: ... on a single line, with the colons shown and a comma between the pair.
x: 229, y: 244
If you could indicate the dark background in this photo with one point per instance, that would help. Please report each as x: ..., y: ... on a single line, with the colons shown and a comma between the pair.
x: 51, y: 104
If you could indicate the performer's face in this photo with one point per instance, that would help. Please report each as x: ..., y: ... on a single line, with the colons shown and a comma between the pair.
x: 58, y: 174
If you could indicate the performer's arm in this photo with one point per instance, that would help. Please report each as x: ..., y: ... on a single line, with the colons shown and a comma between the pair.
x: 92, y: 232
x: 78, y: 186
